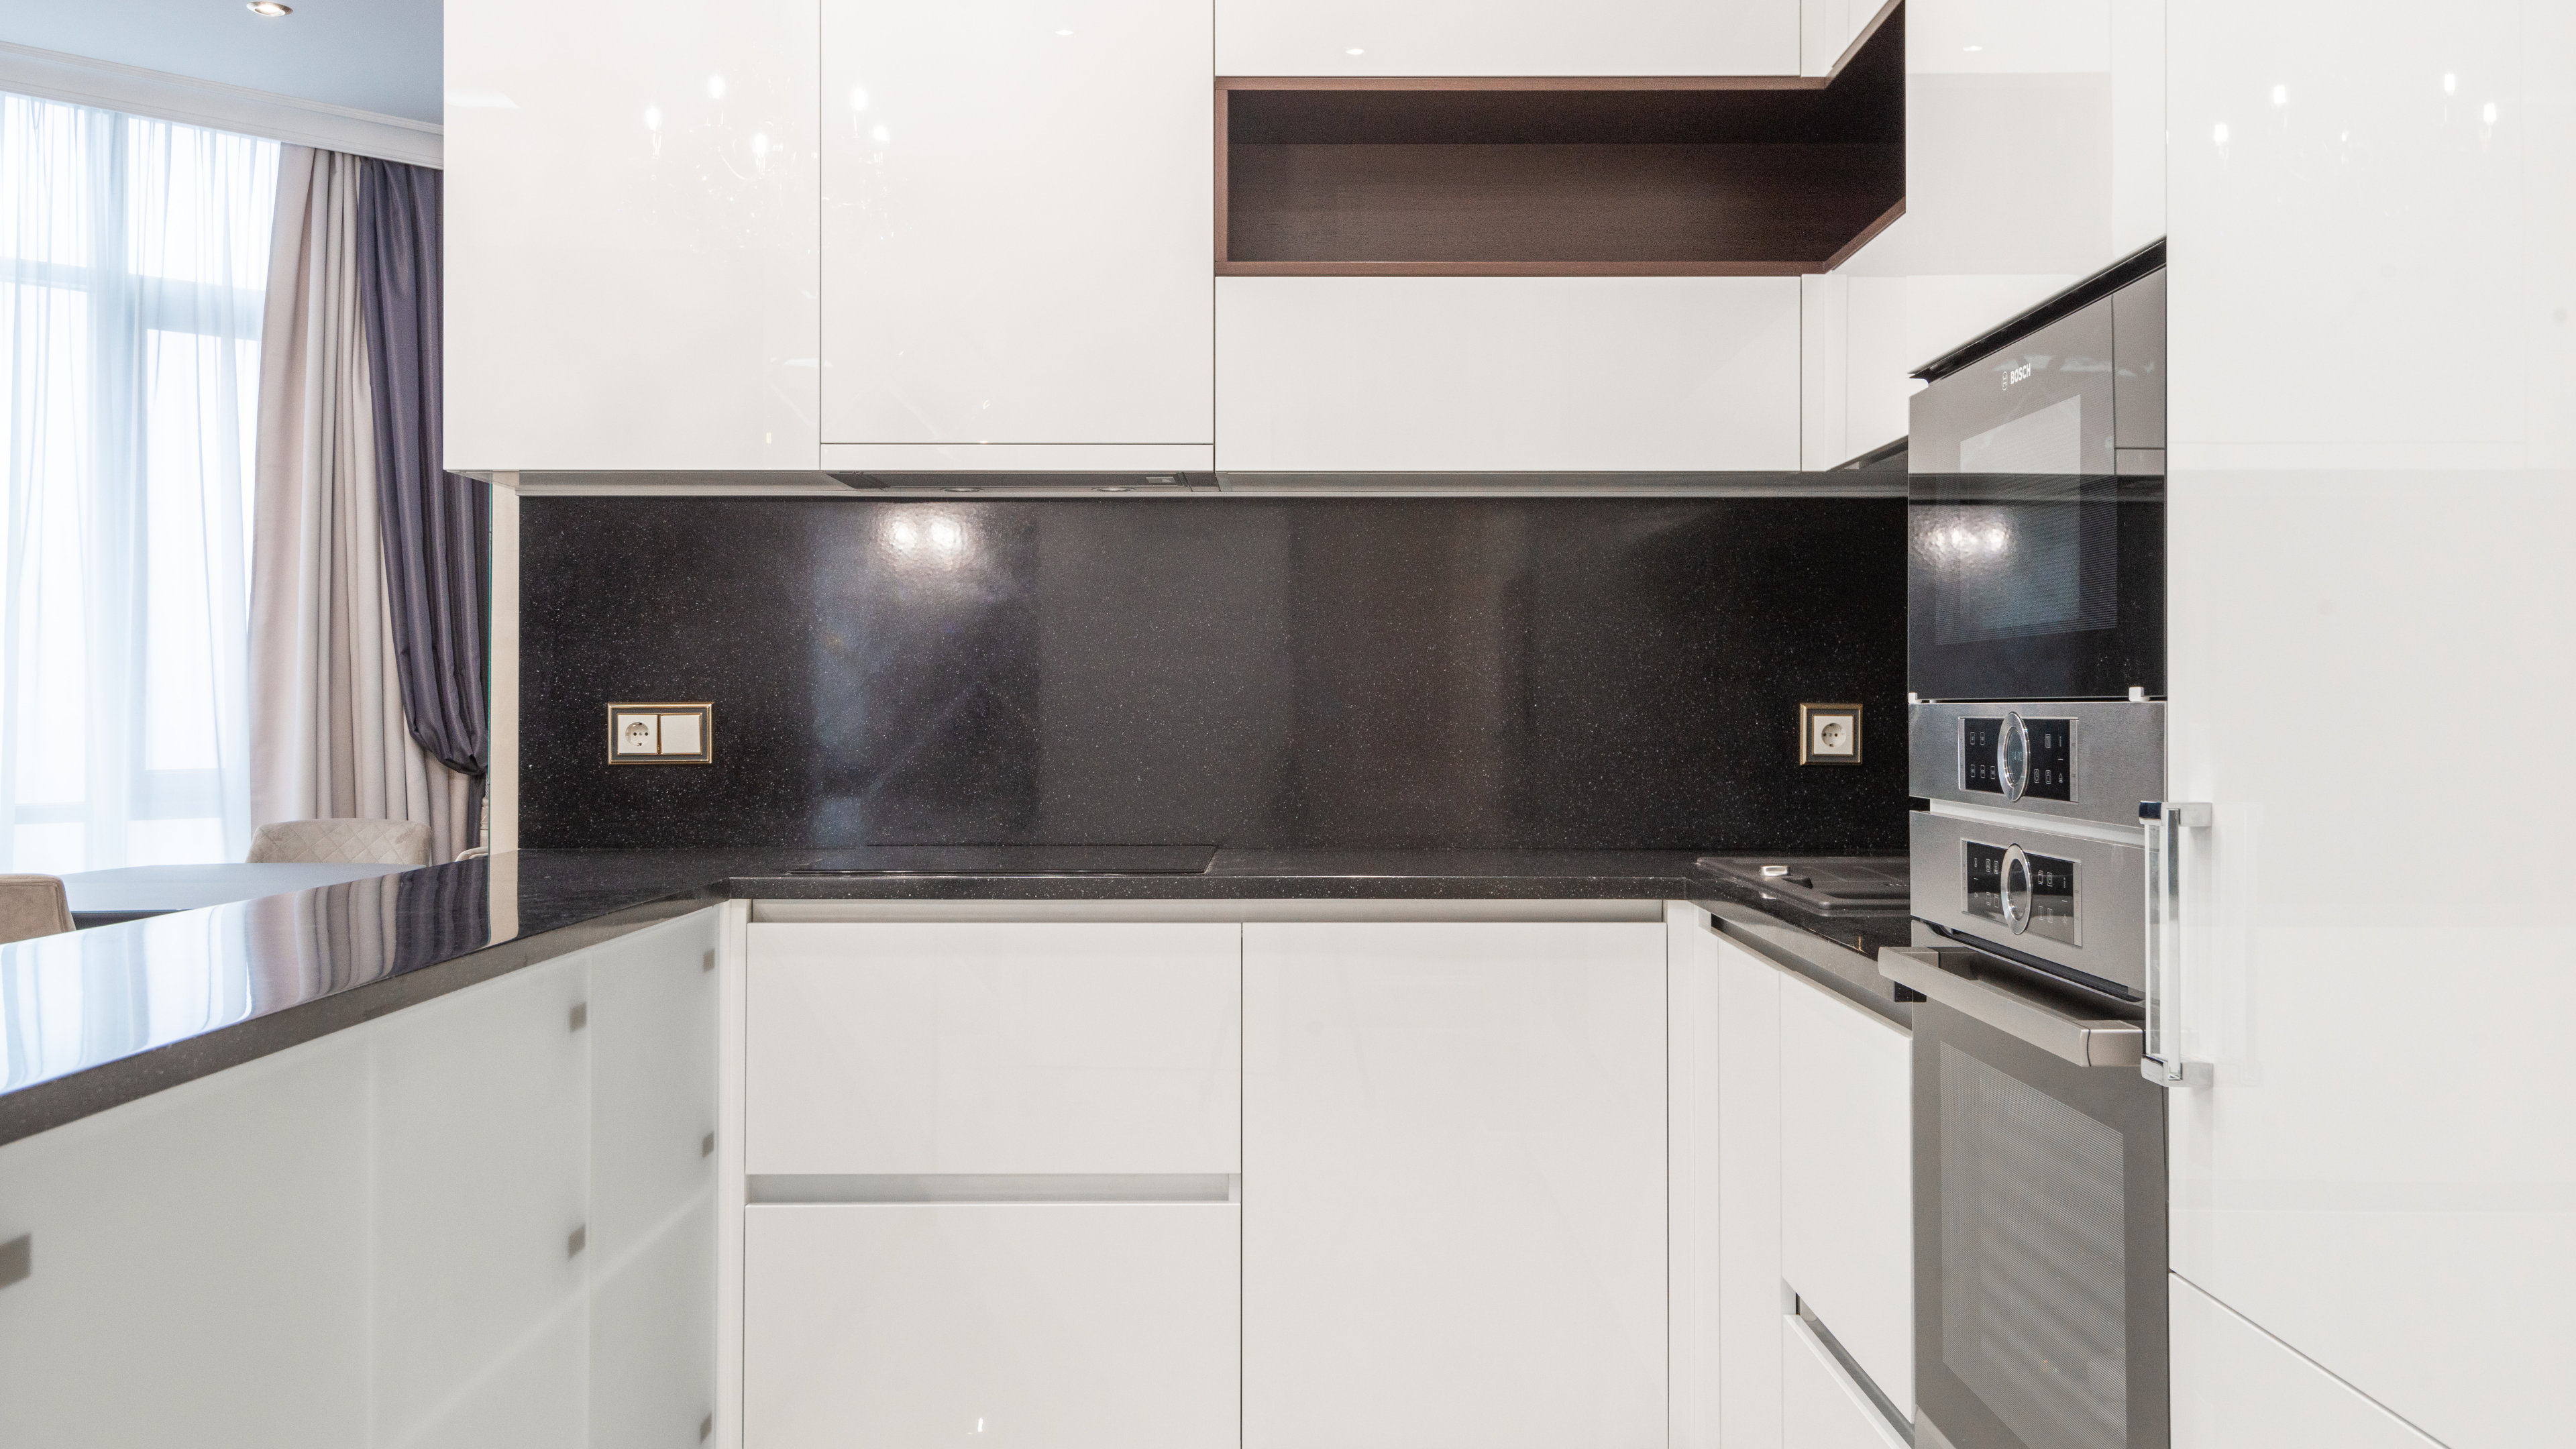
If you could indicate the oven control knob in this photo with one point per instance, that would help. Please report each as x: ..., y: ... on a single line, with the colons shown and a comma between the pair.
x: 2012, y: 755
x: 2016, y: 890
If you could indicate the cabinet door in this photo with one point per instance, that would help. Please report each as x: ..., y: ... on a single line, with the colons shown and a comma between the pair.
x: 1751, y: 1301
x: 1820, y: 1405
x: 188, y: 1249
x: 1847, y: 1177
x: 2237, y: 1387
x: 1018, y: 201
x: 1454, y: 1185
x: 1506, y: 37
x: 630, y: 220
x: 1058, y: 1326
x: 991, y: 1048
x: 1507, y: 374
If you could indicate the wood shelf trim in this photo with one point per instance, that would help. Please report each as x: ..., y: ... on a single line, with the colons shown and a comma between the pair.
x: 1867, y: 235
x: 1516, y: 269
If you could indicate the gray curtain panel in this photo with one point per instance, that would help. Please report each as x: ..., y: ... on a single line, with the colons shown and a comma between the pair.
x: 437, y: 526
x: 327, y: 727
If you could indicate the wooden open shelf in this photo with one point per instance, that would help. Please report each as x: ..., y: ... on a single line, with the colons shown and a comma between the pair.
x: 1618, y: 176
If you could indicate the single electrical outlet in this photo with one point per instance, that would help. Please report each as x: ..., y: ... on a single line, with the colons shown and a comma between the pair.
x: 1829, y: 734
x: 661, y: 734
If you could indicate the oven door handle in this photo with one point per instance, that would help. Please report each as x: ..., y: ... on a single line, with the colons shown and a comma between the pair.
x: 1949, y: 978
x: 2162, y: 1060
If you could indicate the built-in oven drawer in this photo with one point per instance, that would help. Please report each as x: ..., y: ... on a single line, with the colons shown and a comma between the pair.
x: 2069, y: 904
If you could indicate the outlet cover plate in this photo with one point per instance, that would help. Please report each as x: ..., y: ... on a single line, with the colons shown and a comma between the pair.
x: 1829, y: 734
x: 662, y: 734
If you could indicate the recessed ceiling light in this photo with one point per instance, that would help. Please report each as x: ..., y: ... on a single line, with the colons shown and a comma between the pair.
x: 270, y: 9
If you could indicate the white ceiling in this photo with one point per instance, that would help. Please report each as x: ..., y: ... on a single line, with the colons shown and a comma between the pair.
x: 370, y: 55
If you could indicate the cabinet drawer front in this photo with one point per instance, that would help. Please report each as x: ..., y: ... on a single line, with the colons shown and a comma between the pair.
x: 1847, y: 1177
x: 1064, y: 1325
x: 993, y: 1048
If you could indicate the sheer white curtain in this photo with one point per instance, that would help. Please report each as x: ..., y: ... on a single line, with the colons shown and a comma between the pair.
x: 133, y: 263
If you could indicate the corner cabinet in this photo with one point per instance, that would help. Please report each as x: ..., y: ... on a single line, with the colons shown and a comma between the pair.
x: 1015, y: 206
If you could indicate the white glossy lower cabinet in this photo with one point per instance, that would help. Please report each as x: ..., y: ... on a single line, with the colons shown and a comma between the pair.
x: 1750, y: 1298
x: 1820, y: 1405
x: 1056, y: 1326
x: 1847, y: 1177
x: 1507, y: 374
x: 2237, y: 1387
x: 1454, y: 1185
x: 994, y: 1047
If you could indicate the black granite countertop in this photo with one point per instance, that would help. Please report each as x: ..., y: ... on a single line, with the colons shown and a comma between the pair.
x: 95, y: 1018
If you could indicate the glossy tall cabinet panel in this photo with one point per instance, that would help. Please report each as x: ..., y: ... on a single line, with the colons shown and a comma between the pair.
x: 1512, y: 37
x: 2004, y: 208
x: 994, y: 1048
x: 1752, y: 1300
x: 1017, y: 204
x: 1067, y: 1325
x: 1507, y: 374
x: 2385, y: 1094
x: 190, y: 1253
x: 2237, y: 1387
x: 1846, y: 1178
x: 1453, y: 1185
x: 630, y: 235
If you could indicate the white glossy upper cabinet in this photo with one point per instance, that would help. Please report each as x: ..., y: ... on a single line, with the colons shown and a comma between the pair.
x: 1507, y: 374
x: 1453, y: 1185
x: 630, y: 259
x: 1506, y: 37
x: 1018, y: 197
x: 2002, y: 210
x: 1827, y: 29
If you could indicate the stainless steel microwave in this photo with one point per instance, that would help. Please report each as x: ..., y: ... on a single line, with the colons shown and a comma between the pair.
x: 2035, y: 520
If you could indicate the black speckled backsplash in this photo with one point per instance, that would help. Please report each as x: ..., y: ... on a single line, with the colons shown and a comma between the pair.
x: 1473, y: 673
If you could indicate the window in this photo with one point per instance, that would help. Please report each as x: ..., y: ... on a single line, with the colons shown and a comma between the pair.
x: 133, y: 267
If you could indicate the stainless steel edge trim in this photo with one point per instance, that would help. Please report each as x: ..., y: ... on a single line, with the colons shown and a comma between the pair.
x: 2026, y: 1015
x: 950, y: 1187
x: 1860, y: 1378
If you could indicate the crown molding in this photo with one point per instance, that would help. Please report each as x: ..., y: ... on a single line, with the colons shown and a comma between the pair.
x: 54, y: 76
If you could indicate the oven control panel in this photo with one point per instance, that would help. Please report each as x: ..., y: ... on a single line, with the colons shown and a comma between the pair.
x: 2027, y: 893
x: 2017, y: 757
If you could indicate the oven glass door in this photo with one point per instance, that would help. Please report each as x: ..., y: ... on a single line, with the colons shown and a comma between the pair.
x: 2039, y: 1244
x: 2031, y: 571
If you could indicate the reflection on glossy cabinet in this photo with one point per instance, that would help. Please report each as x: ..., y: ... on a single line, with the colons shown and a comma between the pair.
x: 1507, y: 374
x: 1506, y: 37
x: 1055, y: 1326
x: 1453, y: 1186
x: 1017, y: 200
x: 1820, y: 1405
x: 630, y: 215
x: 2237, y: 1387
x: 1847, y: 1177
x: 959, y: 1047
